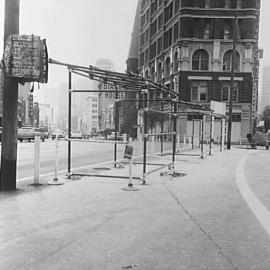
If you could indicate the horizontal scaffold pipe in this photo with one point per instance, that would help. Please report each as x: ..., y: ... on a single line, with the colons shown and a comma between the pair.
x: 97, y: 141
x: 159, y: 134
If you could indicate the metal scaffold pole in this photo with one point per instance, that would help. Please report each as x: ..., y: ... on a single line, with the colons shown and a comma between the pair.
x: 174, y: 130
x: 145, y: 96
x: 69, y: 119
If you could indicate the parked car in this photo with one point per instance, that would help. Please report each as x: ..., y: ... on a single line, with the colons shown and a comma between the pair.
x: 118, y: 136
x: 45, y: 130
x: 259, y: 139
x: 28, y: 133
x: 58, y: 133
x: 76, y: 134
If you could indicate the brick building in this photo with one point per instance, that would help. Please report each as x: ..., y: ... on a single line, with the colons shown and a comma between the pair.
x: 187, y: 45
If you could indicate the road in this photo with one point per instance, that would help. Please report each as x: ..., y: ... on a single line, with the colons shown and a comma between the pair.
x: 83, y: 154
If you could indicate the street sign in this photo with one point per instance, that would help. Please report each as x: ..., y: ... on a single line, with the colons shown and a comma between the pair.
x: 26, y: 58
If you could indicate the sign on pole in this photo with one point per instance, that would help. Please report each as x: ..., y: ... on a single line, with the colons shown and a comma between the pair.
x: 26, y: 58
x: 218, y: 107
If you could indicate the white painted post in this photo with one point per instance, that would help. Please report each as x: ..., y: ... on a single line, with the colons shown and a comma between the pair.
x: 56, y: 160
x: 37, y: 159
x: 140, y: 144
x: 185, y: 140
x: 130, y: 184
x: 55, y: 179
x: 222, y: 134
x: 152, y: 144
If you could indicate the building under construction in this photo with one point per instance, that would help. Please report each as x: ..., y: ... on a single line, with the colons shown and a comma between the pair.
x: 188, y: 46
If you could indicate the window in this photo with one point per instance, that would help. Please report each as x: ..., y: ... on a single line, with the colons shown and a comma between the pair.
x: 175, y: 32
x: 225, y: 93
x: 152, y: 74
x: 175, y: 62
x: 94, y: 105
x: 168, y: 12
x: 199, y: 91
x: 167, y: 66
x: 159, y: 71
x: 227, y: 61
x: 94, y: 99
x: 200, y: 60
x: 94, y: 117
x: 159, y: 45
x: 160, y: 21
x: 168, y: 38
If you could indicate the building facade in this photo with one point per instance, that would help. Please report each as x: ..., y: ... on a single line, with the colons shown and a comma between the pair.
x: 265, y: 95
x: 188, y: 45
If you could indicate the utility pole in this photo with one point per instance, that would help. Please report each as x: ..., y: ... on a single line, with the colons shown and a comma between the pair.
x: 10, y: 101
x: 229, y: 138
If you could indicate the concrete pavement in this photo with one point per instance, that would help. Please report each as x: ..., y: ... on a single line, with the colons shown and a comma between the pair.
x: 199, y: 221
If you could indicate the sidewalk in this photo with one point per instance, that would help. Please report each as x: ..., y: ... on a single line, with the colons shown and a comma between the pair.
x: 198, y: 221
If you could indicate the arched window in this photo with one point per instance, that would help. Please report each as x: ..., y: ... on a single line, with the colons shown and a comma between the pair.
x: 200, y: 60
x: 227, y: 61
x: 175, y: 62
x: 167, y: 66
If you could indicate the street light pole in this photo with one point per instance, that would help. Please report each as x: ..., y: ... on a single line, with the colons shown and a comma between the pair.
x: 229, y: 138
x: 10, y: 102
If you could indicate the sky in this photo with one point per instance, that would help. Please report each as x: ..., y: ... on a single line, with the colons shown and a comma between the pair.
x: 80, y: 31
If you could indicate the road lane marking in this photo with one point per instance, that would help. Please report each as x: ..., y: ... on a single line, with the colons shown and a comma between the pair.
x: 259, y: 210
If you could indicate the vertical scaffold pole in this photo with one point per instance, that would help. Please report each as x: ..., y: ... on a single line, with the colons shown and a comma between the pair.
x: 116, y: 125
x: 202, y: 130
x: 162, y: 128
x: 192, y: 138
x: 174, y: 130
x: 211, y: 134
x: 69, y: 120
x: 145, y: 99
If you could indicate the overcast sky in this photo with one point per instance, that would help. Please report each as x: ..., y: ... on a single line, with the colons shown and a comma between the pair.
x: 80, y: 31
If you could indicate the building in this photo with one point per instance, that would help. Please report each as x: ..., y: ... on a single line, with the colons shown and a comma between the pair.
x: 265, y: 95
x: 187, y: 45
x: 106, y: 101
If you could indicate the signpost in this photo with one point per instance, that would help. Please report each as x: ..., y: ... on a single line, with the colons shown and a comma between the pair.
x: 25, y: 60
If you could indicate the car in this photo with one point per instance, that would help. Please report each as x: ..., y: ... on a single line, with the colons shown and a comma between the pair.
x: 58, y: 133
x: 28, y: 133
x: 118, y: 136
x: 76, y: 134
x: 259, y: 139
x: 45, y: 130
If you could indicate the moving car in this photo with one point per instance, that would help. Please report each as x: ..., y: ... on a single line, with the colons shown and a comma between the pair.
x: 76, y: 134
x: 28, y: 133
x: 58, y: 133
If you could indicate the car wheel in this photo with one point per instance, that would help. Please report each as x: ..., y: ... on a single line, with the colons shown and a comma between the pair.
x: 20, y: 140
x: 267, y: 147
x: 29, y: 140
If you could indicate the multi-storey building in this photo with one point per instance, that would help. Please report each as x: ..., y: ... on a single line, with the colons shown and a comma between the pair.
x: 188, y: 45
x: 265, y: 96
x: 106, y: 101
